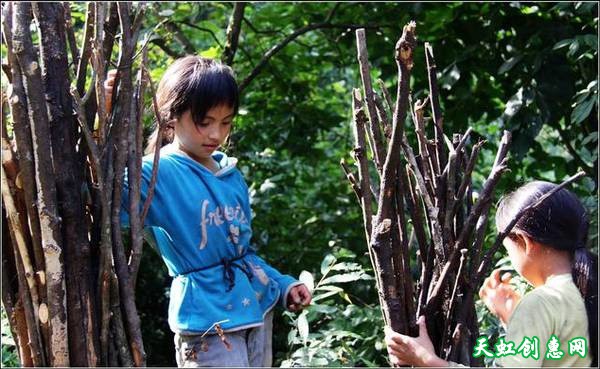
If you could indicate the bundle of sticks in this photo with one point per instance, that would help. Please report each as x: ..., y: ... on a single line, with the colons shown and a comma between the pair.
x: 424, y: 229
x: 69, y: 289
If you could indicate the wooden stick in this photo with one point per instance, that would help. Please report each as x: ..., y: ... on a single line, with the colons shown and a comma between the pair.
x: 386, y: 95
x: 435, y: 106
x: 382, y: 229
x: 432, y: 210
x: 352, y: 179
x: 22, y: 133
x: 427, y: 169
x: 136, y: 150
x: 481, y: 227
x: 375, y: 138
x: 485, y: 197
x: 123, y: 115
x: 386, y: 127
x: 69, y: 177
x: 47, y: 207
x: 85, y: 48
x: 448, y: 322
x: 71, y: 36
x: 466, y: 180
x: 18, y: 238
x: 360, y: 155
x: 162, y: 126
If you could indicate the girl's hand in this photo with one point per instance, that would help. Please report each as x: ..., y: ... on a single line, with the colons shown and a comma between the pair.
x: 499, y: 296
x: 298, y: 297
x: 415, y: 351
x: 109, y: 85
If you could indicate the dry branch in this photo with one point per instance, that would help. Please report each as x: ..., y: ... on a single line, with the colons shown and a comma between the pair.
x: 424, y: 195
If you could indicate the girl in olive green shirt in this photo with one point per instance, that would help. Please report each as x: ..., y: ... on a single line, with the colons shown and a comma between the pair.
x: 547, y: 248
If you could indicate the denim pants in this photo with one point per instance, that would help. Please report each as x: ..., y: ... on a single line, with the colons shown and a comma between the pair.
x: 247, y: 348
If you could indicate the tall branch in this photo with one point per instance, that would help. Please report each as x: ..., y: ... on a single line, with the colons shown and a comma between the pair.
x: 382, y: 228
x: 291, y: 37
x: 233, y: 33
x: 375, y: 138
x: 434, y: 98
x: 47, y: 207
x: 68, y: 175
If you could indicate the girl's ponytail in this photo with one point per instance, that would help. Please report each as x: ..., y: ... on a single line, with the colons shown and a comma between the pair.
x: 167, y: 138
x: 585, y: 275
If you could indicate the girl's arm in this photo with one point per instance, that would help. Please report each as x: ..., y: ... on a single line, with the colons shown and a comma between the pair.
x: 294, y: 294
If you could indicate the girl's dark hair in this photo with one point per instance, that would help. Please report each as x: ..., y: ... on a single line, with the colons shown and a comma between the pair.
x: 195, y: 83
x: 561, y: 223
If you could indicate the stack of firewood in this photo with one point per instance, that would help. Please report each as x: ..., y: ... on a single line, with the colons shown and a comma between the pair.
x: 420, y: 215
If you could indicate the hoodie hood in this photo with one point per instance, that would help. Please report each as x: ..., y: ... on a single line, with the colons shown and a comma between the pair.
x: 227, y: 164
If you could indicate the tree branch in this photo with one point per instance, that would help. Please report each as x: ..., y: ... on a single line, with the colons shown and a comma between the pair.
x: 233, y: 33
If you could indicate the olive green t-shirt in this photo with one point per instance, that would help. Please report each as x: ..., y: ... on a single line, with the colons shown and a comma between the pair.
x: 555, y: 314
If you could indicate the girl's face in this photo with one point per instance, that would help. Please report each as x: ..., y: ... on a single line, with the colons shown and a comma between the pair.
x: 516, y: 253
x: 202, y: 139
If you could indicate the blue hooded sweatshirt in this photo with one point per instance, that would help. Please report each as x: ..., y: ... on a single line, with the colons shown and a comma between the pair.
x: 200, y: 222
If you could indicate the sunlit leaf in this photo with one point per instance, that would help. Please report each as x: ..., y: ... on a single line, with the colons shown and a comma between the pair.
x: 303, y: 326
x: 327, y: 262
x: 348, y: 277
x: 307, y: 278
x: 509, y: 64
x: 582, y: 111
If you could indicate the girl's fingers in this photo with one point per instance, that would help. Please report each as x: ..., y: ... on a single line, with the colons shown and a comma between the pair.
x: 294, y: 296
x: 495, y: 278
x: 506, y: 277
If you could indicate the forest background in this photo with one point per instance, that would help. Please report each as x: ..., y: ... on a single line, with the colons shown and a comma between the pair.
x: 524, y: 67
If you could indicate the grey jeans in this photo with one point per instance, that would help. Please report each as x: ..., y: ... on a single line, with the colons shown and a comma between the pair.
x: 248, y: 348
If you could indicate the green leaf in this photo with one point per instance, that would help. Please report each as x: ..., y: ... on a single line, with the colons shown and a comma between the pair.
x: 212, y: 52
x: 573, y: 48
x: 324, y: 295
x: 324, y: 309
x: 562, y: 43
x: 303, y: 326
x: 591, y: 41
x: 329, y: 288
x: 319, y: 362
x: 346, y: 266
x: 326, y: 263
x: 344, y: 278
x: 166, y: 12
x: 509, y: 64
x: 308, y: 279
x: 582, y: 111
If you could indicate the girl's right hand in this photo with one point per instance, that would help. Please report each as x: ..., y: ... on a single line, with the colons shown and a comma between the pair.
x: 499, y: 296
x: 414, y: 351
x: 109, y: 85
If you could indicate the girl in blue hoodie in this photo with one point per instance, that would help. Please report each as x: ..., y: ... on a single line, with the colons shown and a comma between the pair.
x: 200, y: 220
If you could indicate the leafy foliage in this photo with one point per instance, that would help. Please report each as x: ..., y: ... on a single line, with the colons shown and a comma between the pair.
x: 337, y: 329
x: 10, y: 357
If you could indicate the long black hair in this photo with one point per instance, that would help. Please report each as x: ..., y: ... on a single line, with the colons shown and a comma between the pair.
x: 193, y: 83
x: 561, y: 223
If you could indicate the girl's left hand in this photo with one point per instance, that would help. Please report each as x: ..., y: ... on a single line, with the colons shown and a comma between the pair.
x: 415, y: 351
x: 298, y: 297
